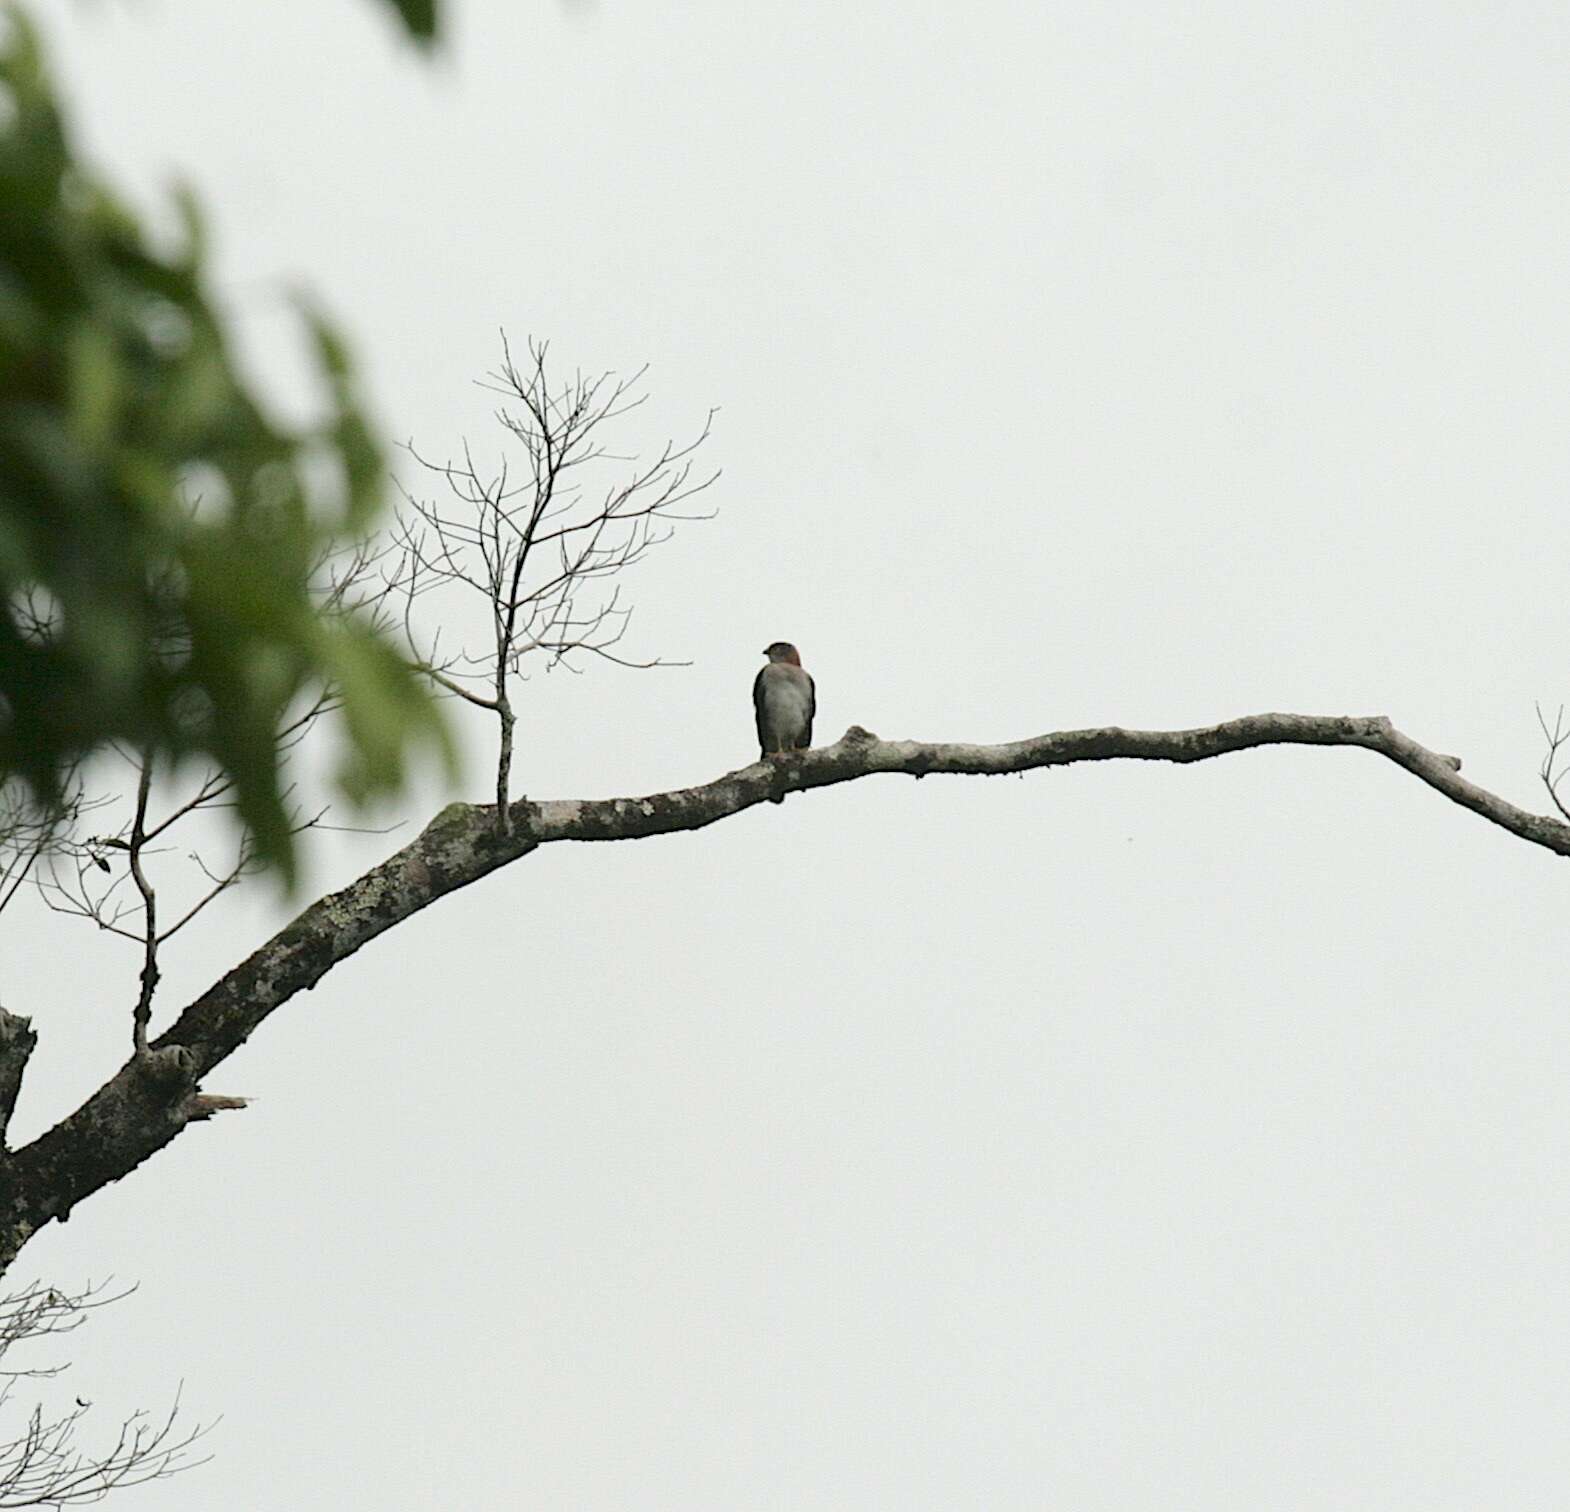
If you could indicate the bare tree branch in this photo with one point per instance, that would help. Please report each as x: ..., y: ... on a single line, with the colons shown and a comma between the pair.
x: 79, y: 878
x: 153, y: 1097
x: 42, y: 1466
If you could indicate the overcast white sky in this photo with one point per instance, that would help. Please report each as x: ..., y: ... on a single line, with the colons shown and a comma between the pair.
x: 1116, y: 1138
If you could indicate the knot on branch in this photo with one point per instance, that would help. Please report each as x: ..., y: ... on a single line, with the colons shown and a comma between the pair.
x: 857, y: 736
x: 173, y: 1068
x: 453, y: 820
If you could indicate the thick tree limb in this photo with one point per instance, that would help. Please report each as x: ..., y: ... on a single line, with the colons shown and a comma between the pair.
x: 154, y: 1096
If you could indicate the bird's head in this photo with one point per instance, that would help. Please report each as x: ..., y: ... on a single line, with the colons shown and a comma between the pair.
x: 783, y: 651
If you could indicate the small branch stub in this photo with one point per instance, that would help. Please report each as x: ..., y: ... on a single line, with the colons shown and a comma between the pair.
x: 203, y: 1105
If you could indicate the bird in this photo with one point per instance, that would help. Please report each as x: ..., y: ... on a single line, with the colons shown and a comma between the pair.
x: 784, y: 698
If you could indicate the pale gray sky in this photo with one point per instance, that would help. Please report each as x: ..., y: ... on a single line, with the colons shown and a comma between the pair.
x: 1117, y: 1138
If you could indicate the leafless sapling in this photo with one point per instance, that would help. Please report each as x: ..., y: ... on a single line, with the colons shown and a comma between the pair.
x: 537, y: 540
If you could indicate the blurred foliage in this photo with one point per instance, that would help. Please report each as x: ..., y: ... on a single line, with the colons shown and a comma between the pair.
x: 159, y: 533
x: 419, y: 16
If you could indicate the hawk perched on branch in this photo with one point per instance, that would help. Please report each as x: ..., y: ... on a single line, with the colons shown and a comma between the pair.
x: 784, y: 699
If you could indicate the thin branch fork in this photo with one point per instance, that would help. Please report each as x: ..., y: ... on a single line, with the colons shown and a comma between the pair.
x: 1552, y: 771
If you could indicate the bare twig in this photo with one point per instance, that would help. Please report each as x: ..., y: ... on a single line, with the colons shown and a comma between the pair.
x: 149, y: 973
x: 1548, y: 772
x: 30, y: 832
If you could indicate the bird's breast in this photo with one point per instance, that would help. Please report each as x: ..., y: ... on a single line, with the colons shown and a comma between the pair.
x: 785, y: 700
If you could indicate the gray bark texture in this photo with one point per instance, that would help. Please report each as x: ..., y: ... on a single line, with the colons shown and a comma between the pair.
x: 154, y: 1096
